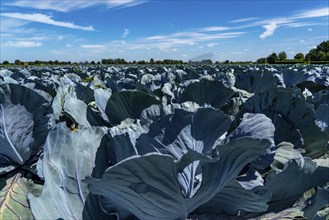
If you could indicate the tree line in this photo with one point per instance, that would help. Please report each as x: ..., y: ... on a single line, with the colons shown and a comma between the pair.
x: 320, y: 54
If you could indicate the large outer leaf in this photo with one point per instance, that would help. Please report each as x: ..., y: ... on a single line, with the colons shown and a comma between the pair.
x: 213, y: 93
x: 84, y: 93
x: 148, y: 185
x: 292, y: 78
x: 23, y: 122
x: 316, y: 203
x: 260, y: 127
x: 186, y: 131
x: 93, y: 209
x: 77, y: 109
x: 113, y: 149
x: 232, y: 159
x: 285, y: 131
x: 198, y: 131
x: 68, y: 159
x: 283, y: 154
x: 296, y: 112
x: 101, y: 98
x: 254, y: 125
x: 255, y: 80
x: 13, y: 198
x: 290, y: 184
x: 128, y: 104
x: 233, y: 198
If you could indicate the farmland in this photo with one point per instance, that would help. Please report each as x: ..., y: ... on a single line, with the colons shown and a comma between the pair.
x: 164, y: 141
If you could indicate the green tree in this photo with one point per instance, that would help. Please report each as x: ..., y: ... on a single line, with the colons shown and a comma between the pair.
x: 151, y: 61
x: 262, y: 60
x: 17, y: 62
x: 142, y: 62
x: 320, y: 53
x: 272, y: 58
x: 282, y: 56
x: 206, y: 62
x: 299, y: 56
x: 5, y: 62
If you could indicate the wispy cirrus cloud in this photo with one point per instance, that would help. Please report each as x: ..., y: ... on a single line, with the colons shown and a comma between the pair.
x: 93, y: 46
x: 46, y: 19
x: 168, y: 43
x: 213, y: 28
x: 186, y: 38
x: 271, y: 25
x: 191, y: 37
x: 321, y: 12
x: 212, y: 44
x: 70, y: 5
x: 23, y: 44
x: 244, y: 20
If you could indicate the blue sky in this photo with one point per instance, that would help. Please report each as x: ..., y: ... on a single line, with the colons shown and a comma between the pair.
x: 136, y: 30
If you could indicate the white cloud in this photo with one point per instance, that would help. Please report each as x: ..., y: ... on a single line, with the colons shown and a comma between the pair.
x: 69, y: 45
x: 310, y: 29
x: 60, y: 37
x: 321, y: 12
x: 45, y: 19
x: 244, y: 20
x: 187, y: 38
x: 269, y: 30
x: 272, y: 24
x: 70, y: 5
x: 169, y: 42
x: 299, y: 24
x: 211, y: 44
x: 302, y: 41
x: 11, y: 25
x: 33, y: 38
x: 213, y: 28
x: 126, y: 32
x: 93, y: 46
x: 23, y: 44
x: 236, y: 52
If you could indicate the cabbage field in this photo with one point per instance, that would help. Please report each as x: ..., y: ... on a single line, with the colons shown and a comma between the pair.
x: 164, y: 142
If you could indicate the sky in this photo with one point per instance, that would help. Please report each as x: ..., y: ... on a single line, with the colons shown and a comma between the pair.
x: 69, y: 30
